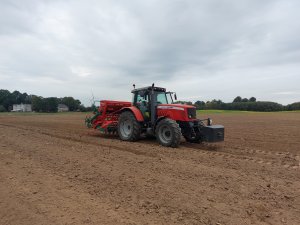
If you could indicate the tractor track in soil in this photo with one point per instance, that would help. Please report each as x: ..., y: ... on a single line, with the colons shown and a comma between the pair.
x: 251, y: 178
x: 79, y: 140
x: 246, y: 155
x: 202, y: 149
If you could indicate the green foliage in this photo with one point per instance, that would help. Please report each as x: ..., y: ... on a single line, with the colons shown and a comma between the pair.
x: 255, y: 106
x: 184, y: 102
x: 50, y: 104
x: 94, y: 108
x: 244, y: 104
x: 73, y: 104
x: 238, y: 99
x: 19, y: 98
x: 36, y: 103
x: 40, y: 104
x: 5, y: 98
x: 294, y: 106
x: 82, y: 108
x: 199, y: 104
x: 2, y: 108
x: 214, y: 104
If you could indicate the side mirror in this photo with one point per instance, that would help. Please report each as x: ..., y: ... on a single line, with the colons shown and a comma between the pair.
x: 175, y: 96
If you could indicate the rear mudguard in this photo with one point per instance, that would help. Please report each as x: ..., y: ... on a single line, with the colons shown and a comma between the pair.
x: 136, y: 112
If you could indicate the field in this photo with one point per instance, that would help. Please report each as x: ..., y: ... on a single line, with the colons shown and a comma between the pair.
x: 53, y: 170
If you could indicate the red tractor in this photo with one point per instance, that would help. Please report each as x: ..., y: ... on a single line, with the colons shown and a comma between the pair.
x: 153, y: 112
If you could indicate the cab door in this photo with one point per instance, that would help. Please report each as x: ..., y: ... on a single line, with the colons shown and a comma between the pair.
x: 142, y: 102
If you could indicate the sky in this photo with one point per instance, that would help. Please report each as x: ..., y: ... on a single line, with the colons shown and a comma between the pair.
x: 202, y: 49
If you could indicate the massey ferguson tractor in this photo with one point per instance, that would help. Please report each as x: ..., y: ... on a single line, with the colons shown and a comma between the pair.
x: 153, y: 112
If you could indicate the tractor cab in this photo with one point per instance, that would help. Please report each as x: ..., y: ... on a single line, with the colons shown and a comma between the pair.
x: 147, y: 99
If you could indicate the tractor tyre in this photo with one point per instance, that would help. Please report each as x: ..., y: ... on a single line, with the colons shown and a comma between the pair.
x: 129, y: 129
x: 168, y: 133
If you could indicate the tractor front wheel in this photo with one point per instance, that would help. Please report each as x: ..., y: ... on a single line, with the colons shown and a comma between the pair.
x: 129, y: 129
x: 168, y: 133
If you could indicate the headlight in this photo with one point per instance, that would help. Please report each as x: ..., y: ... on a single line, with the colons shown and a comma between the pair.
x: 209, y: 120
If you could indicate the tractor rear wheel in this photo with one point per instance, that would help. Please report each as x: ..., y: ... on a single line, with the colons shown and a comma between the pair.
x: 129, y: 129
x: 168, y: 133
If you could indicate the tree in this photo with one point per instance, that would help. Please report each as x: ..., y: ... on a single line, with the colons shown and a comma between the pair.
x: 28, y: 98
x: 294, y: 106
x: 199, y: 104
x: 92, y: 108
x: 5, y: 98
x: 72, y: 103
x: 82, y: 108
x: 184, y: 102
x: 2, y: 108
x: 215, y: 104
x: 40, y: 104
x: 16, y: 97
x: 245, y: 100
x: 50, y: 104
x: 255, y: 106
x: 238, y: 99
x: 252, y: 99
x: 37, y: 103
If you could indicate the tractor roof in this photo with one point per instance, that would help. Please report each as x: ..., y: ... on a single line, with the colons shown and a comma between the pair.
x: 149, y: 88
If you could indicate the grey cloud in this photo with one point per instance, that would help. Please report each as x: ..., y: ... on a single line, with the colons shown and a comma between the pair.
x: 205, y: 48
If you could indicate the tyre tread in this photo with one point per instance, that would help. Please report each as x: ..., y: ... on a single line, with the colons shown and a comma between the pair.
x: 176, y: 130
x: 136, y: 126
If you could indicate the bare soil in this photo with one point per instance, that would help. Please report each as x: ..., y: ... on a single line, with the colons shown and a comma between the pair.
x: 53, y: 170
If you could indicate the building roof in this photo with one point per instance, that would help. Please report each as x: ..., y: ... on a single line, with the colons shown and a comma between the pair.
x: 62, y: 106
x: 20, y: 104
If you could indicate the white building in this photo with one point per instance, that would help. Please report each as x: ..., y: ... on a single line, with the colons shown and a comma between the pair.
x: 22, y: 108
x: 62, y: 108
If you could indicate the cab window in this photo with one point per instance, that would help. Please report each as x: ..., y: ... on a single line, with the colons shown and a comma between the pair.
x: 169, y: 98
x: 142, y: 99
x: 142, y: 102
x: 162, y: 98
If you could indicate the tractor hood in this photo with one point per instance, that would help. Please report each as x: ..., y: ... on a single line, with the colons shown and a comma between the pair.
x: 175, y: 106
x: 178, y: 112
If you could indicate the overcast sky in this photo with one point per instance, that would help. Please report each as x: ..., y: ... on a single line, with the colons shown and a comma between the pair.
x: 202, y: 49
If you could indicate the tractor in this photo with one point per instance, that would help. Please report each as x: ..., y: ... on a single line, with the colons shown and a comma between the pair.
x: 153, y: 112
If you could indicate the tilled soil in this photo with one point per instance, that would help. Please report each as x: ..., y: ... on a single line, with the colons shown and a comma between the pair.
x: 53, y: 170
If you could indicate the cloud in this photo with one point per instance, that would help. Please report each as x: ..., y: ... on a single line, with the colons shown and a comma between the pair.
x: 202, y: 49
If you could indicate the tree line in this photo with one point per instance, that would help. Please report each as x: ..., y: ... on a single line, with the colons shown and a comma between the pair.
x: 243, y: 104
x: 41, y: 104
x: 38, y: 103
